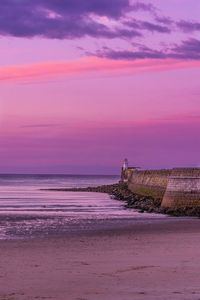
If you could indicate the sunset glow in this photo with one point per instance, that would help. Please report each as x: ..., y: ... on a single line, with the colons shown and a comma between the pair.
x: 124, y: 82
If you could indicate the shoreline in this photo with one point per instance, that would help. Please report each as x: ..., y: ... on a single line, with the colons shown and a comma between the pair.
x: 141, y: 261
x: 119, y: 191
x: 145, y: 258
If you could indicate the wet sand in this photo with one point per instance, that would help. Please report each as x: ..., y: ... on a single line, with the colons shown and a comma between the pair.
x: 159, y: 260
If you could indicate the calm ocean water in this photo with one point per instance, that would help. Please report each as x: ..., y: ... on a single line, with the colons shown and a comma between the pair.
x: 27, y: 211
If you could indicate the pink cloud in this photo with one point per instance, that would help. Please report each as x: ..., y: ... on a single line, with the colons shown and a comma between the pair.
x: 88, y: 65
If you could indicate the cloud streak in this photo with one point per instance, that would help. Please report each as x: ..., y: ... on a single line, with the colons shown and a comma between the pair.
x: 58, y: 19
x: 67, y: 19
x: 91, y: 65
x: 146, y: 25
x: 98, y: 19
x: 187, y: 26
x: 188, y: 49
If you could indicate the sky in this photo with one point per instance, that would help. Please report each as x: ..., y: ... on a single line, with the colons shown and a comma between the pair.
x: 84, y: 84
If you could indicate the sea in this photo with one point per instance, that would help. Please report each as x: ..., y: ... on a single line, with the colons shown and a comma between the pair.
x: 29, y: 210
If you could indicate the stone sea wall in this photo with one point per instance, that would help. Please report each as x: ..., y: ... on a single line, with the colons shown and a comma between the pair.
x: 183, y: 189
x: 173, y: 188
x: 149, y: 183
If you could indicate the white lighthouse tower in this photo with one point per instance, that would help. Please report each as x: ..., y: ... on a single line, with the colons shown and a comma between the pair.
x: 125, y: 164
x: 123, y: 171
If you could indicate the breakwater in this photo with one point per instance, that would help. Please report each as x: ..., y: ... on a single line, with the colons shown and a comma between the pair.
x: 173, y: 188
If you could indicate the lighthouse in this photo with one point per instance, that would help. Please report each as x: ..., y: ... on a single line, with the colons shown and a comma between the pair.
x: 125, y: 164
x: 123, y: 170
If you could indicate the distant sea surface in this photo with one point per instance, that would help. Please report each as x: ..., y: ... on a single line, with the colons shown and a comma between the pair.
x: 27, y: 211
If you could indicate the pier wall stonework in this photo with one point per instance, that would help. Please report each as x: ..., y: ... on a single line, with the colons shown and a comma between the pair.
x: 149, y: 182
x: 174, y: 188
x: 183, y: 189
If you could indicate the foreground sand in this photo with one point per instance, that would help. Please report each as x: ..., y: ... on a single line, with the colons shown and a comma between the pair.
x: 143, y: 261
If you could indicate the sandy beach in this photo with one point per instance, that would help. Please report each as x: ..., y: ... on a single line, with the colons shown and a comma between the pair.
x: 156, y: 260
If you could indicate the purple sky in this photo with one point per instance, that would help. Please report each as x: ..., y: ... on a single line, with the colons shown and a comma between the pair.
x: 84, y: 84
